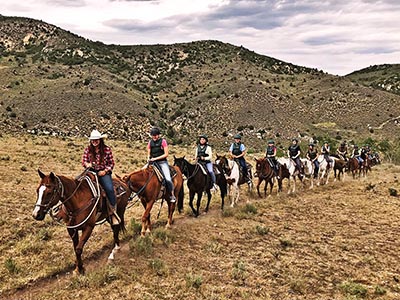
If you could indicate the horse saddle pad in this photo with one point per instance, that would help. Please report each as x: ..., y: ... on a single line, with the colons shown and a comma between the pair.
x: 203, y: 168
x: 160, y: 175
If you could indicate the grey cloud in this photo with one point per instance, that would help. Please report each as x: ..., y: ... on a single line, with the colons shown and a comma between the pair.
x: 376, y: 50
x: 324, y: 40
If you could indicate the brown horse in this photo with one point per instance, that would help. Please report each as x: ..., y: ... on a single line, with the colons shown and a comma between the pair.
x: 339, y: 167
x: 80, y: 209
x: 147, y: 186
x: 264, y: 172
x: 354, y: 167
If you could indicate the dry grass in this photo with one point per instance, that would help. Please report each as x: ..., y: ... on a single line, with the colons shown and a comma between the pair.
x: 334, y: 242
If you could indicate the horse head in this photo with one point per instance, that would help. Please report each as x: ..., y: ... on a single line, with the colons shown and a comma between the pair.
x: 223, y: 162
x: 181, y: 163
x: 260, y: 166
x: 49, y: 192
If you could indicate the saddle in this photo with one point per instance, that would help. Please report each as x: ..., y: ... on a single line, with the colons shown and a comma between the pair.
x: 98, y: 192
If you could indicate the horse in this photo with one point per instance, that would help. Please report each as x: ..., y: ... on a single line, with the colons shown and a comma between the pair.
x: 288, y: 170
x: 339, y: 167
x: 199, y: 182
x: 309, y: 169
x: 233, y: 176
x: 324, y: 169
x: 264, y: 172
x: 80, y: 208
x: 146, y: 184
x: 354, y: 167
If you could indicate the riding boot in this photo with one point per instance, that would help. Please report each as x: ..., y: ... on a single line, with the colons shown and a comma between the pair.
x: 115, y: 220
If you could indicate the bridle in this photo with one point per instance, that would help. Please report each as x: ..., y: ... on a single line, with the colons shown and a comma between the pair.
x: 58, y: 190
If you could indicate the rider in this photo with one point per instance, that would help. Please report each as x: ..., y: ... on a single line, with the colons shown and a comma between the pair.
x: 271, y: 156
x: 157, y: 152
x: 312, y: 155
x: 98, y: 156
x: 356, y: 153
x: 238, y: 150
x: 203, y: 155
x: 294, y: 153
x: 342, y: 151
x: 325, y: 150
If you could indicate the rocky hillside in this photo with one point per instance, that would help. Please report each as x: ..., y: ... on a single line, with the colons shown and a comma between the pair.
x: 54, y: 82
x: 384, y: 77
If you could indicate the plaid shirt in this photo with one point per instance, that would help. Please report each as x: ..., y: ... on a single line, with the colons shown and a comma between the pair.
x: 108, y: 160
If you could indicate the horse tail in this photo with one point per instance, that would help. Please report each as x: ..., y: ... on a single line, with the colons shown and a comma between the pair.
x: 180, y: 199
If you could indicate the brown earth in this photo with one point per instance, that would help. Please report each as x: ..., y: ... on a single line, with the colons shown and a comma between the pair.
x: 333, y: 242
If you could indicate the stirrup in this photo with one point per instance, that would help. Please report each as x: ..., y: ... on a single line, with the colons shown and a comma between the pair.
x: 115, y: 219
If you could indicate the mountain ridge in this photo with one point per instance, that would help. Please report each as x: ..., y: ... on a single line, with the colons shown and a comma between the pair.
x: 186, y: 89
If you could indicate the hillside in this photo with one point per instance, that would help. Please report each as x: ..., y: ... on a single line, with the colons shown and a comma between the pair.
x: 384, y: 77
x: 54, y: 82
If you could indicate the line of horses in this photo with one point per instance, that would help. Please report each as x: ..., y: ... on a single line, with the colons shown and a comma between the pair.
x: 74, y: 201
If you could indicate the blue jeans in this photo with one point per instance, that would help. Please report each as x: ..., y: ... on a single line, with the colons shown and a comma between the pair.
x: 209, y: 166
x: 107, y: 184
x: 243, y: 164
x: 167, y: 175
x: 316, y: 167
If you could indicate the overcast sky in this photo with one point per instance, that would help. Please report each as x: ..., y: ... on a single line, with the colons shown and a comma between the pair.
x: 336, y: 36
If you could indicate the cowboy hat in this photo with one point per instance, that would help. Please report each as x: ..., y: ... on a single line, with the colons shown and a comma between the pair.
x: 96, y: 135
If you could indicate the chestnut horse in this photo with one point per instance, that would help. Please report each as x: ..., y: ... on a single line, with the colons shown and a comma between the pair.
x: 147, y: 186
x: 354, y: 167
x: 80, y: 208
x: 198, y: 182
x: 264, y: 172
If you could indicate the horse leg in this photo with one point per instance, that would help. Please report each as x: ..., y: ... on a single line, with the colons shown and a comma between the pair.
x: 237, y: 192
x: 197, y: 211
x: 116, y: 229
x: 258, y: 187
x: 271, y: 186
x: 171, y: 209
x: 208, y: 200
x: 146, y: 224
x: 265, y: 188
x: 191, y: 198
x: 86, y: 232
x: 73, y: 233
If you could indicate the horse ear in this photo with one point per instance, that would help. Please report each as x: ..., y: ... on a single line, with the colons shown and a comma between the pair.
x: 41, y: 174
x: 255, y: 158
x: 52, y: 176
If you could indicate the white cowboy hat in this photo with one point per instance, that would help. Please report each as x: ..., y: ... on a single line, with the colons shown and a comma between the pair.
x: 96, y: 135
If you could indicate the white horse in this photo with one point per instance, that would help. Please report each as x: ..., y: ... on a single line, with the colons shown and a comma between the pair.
x: 309, y: 168
x: 293, y: 172
x: 233, y: 178
x: 324, y: 171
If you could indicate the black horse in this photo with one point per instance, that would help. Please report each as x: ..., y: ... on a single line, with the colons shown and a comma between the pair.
x: 199, y: 182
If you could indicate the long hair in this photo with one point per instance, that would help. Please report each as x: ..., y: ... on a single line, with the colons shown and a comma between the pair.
x: 92, y: 151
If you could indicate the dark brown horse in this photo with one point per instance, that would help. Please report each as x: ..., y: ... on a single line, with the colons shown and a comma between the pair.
x: 354, y: 167
x: 148, y: 187
x: 339, y: 167
x: 199, y: 182
x: 80, y: 209
x: 264, y: 172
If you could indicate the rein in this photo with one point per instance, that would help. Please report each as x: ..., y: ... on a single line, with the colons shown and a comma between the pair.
x: 140, y: 190
x: 72, y: 214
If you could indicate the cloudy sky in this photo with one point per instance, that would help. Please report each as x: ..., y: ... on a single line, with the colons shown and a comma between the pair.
x: 336, y: 36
